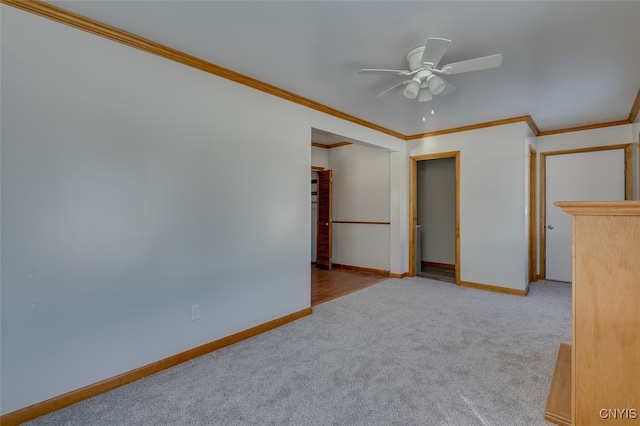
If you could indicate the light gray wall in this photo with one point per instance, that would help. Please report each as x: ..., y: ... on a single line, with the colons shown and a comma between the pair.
x: 320, y: 157
x: 436, y: 196
x: 493, y: 244
x: 134, y: 187
x: 360, y: 183
x: 361, y: 192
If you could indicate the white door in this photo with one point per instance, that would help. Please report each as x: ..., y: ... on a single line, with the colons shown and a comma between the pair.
x: 584, y: 176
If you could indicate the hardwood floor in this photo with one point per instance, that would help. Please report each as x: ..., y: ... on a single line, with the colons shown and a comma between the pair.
x: 329, y: 284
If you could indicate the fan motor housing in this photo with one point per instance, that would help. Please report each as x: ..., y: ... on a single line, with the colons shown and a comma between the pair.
x: 414, y: 56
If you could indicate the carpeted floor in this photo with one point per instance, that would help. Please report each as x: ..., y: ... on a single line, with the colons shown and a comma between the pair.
x: 403, y: 352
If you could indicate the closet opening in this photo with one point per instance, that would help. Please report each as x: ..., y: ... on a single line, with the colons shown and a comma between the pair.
x: 434, y: 221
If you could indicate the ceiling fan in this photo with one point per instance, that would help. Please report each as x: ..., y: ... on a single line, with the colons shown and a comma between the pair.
x: 424, y: 78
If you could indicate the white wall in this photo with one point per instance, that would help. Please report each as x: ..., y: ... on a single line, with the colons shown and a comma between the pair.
x: 360, y: 183
x: 361, y: 245
x: 361, y: 193
x: 132, y: 188
x: 596, y: 137
x: 320, y: 157
x: 436, y: 198
x: 398, y: 215
x: 492, y: 201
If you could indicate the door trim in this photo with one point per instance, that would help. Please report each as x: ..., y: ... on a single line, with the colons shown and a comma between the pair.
x: 628, y: 179
x: 533, y: 246
x: 413, y: 207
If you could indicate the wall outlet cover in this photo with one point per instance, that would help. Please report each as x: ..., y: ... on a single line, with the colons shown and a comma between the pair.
x: 195, y: 312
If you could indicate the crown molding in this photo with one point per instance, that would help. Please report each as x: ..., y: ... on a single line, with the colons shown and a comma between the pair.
x: 525, y: 118
x: 635, y: 108
x: 586, y: 127
x: 532, y: 124
x: 57, y: 14
x: 63, y: 16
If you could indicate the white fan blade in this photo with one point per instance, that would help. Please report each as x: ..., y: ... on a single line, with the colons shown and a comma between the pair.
x: 486, y: 62
x: 448, y: 88
x: 394, y: 88
x: 434, y: 50
x: 376, y: 71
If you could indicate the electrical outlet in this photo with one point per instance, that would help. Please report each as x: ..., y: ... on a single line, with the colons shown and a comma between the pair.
x: 195, y: 312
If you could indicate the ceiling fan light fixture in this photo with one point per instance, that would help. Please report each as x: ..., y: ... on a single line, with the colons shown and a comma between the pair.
x: 436, y: 84
x: 424, y: 78
x: 412, y: 89
x: 424, y: 95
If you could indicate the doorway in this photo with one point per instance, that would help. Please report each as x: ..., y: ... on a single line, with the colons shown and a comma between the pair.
x: 314, y: 213
x: 415, y: 264
x: 324, y: 219
x: 588, y: 174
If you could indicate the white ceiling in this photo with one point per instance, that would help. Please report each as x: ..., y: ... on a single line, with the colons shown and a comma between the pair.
x: 566, y: 63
